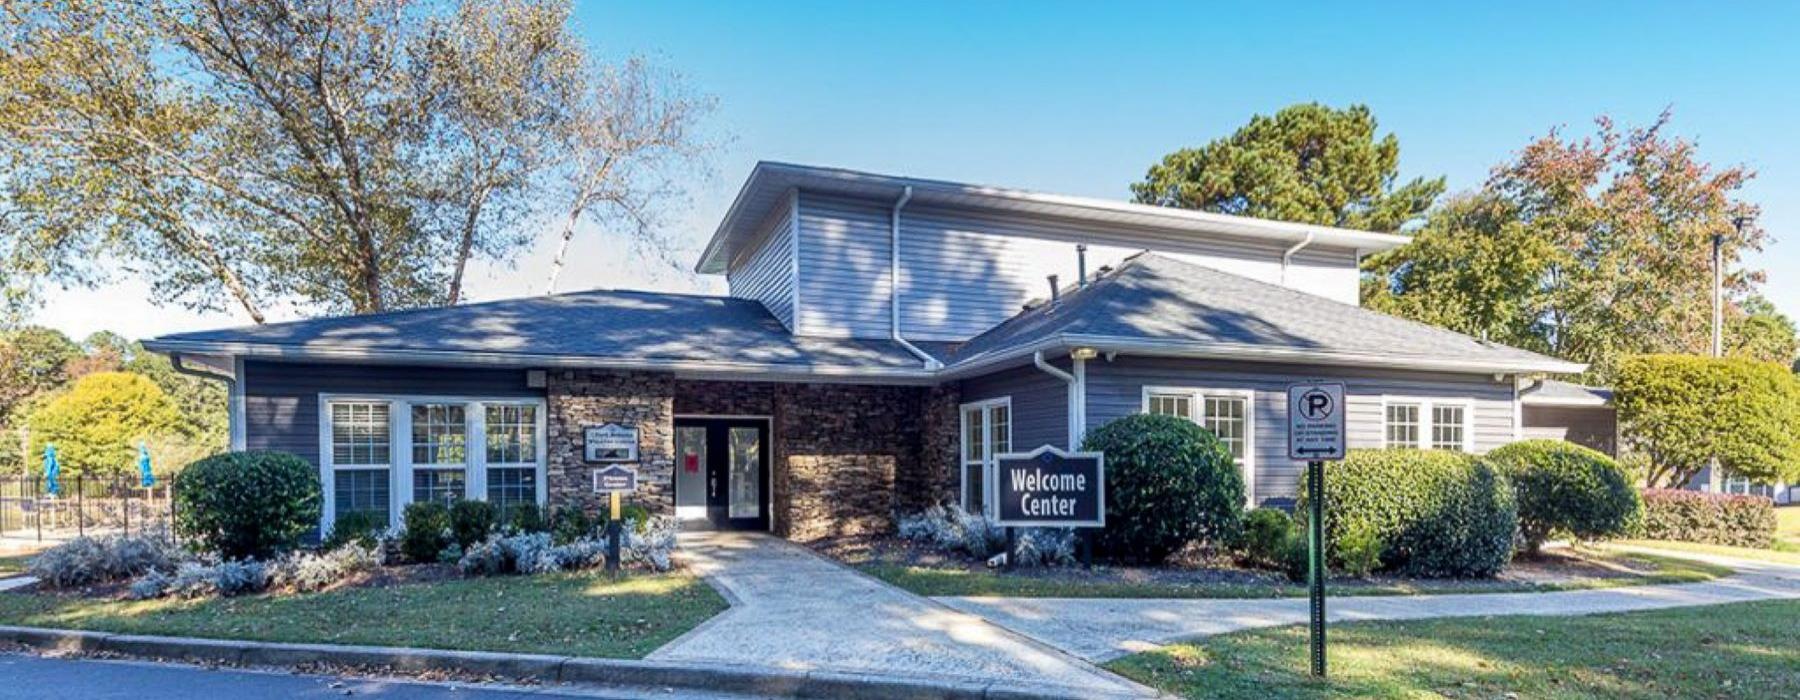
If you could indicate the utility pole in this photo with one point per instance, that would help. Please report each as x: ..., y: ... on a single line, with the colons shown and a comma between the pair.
x: 1718, y: 285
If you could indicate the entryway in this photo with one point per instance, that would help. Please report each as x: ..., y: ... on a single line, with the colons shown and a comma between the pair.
x: 722, y: 473
x: 794, y: 610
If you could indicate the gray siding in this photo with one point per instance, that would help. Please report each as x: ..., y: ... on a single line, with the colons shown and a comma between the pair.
x: 1595, y: 427
x: 281, y: 400
x: 964, y: 271
x: 1116, y: 389
x: 844, y: 265
x: 765, y: 269
x: 1039, y: 404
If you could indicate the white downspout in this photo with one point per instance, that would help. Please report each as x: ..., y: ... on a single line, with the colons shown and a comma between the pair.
x: 1077, y: 394
x: 1287, y: 256
x: 931, y: 363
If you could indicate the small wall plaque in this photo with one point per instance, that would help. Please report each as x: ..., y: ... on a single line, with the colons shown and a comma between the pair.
x: 610, y: 443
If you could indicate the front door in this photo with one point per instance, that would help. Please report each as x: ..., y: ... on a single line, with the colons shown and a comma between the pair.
x: 722, y: 473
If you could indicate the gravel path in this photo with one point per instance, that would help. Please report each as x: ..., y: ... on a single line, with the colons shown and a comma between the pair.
x: 793, y: 609
x: 1104, y: 629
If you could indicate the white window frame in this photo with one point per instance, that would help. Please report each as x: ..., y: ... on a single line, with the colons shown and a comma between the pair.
x: 1740, y: 485
x: 414, y: 465
x: 983, y: 408
x: 1428, y: 419
x: 400, y: 462
x: 1196, y: 397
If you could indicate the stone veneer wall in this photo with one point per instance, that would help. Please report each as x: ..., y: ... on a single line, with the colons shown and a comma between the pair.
x: 590, y: 397
x: 845, y: 457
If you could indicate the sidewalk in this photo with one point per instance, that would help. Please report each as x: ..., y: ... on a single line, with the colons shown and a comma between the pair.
x: 792, y: 610
x: 1103, y: 629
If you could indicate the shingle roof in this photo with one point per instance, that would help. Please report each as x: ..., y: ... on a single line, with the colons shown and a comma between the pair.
x: 1158, y: 300
x: 1149, y: 304
x: 602, y: 325
x: 1550, y: 392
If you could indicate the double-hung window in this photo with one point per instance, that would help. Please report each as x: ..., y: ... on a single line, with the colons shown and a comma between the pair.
x: 440, y: 455
x: 986, y: 431
x: 512, y: 454
x: 381, y: 453
x: 1227, y: 413
x: 361, y: 457
x: 1438, y: 424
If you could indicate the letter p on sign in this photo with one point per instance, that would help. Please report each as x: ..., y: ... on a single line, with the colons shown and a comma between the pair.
x: 1316, y: 421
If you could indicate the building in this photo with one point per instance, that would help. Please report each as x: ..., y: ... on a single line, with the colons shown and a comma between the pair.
x: 1585, y: 415
x: 882, y: 339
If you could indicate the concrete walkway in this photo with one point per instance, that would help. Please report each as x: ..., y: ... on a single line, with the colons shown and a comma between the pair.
x: 792, y: 609
x: 1103, y: 629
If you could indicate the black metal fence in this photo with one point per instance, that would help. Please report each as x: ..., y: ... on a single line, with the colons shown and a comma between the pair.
x: 83, y: 505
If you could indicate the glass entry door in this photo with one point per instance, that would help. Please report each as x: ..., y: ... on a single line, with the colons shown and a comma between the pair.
x: 722, y: 472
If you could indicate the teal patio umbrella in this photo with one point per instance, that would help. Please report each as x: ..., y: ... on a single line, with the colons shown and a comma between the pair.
x: 50, y: 470
x: 149, y: 478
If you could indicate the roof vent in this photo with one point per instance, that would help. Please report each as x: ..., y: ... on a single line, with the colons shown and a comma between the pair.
x: 1081, y: 266
x: 1055, y: 294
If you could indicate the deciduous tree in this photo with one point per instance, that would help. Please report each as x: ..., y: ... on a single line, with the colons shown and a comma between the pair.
x: 348, y: 155
x: 1589, y: 249
x: 97, y: 424
x: 1683, y: 411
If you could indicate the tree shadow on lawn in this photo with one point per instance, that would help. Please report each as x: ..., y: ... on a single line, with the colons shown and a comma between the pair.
x: 1739, y: 650
x: 578, y: 613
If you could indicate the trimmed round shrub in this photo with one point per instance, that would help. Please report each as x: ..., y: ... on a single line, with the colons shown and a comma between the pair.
x: 1435, y: 513
x: 1266, y: 535
x: 247, y: 504
x: 363, y: 527
x: 524, y: 517
x: 471, y: 521
x: 1562, y: 487
x: 1168, y: 482
x: 427, y: 531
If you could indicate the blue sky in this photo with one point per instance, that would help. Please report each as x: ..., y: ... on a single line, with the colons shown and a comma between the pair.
x: 1081, y: 99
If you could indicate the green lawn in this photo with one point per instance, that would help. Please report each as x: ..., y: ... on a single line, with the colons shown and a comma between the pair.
x: 1770, y: 555
x: 14, y: 564
x: 1787, y: 529
x: 581, y: 614
x: 1745, y: 650
x: 930, y: 581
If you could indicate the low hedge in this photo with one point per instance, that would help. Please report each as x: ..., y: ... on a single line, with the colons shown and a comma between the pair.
x: 1710, y: 518
x: 1562, y: 487
x: 1435, y: 513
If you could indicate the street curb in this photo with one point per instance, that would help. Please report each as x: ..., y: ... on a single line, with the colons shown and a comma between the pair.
x: 536, y: 667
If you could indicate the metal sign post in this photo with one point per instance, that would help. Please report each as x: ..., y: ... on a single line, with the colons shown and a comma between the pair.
x: 614, y: 481
x: 1316, y: 434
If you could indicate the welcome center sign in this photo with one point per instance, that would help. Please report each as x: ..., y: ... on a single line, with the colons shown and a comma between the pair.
x: 1048, y: 487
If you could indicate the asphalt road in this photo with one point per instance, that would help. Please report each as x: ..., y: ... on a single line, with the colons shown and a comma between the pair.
x: 35, y: 677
